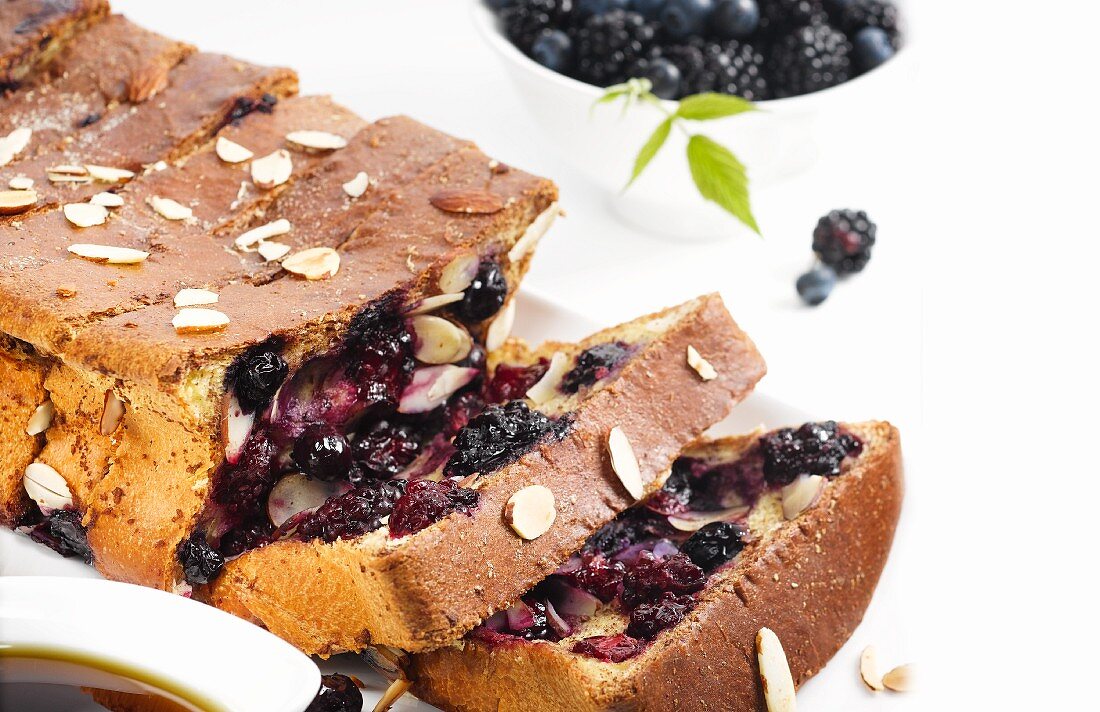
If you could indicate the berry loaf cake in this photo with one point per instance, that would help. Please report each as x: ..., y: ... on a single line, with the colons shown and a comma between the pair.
x: 660, y: 609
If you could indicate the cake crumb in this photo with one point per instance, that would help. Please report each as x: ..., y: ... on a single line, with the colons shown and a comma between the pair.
x: 66, y: 291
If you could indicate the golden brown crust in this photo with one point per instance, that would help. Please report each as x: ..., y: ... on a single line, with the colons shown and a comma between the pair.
x: 32, y: 32
x: 21, y: 391
x: 439, y: 583
x: 834, y: 552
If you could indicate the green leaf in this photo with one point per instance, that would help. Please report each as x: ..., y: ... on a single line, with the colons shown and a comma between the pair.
x: 720, y: 177
x: 702, y: 107
x: 649, y: 150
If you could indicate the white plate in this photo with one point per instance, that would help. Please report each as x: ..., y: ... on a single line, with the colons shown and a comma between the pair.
x: 836, y: 688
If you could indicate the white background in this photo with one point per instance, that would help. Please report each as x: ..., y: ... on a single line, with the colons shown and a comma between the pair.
x: 974, y: 327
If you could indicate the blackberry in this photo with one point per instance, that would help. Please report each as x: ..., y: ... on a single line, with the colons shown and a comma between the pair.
x: 813, y: 449
x: 809, y: 59
x: 780, y: 16
x: 609, y: 45
x: 649, y: 619
x: 633, y: 526
x: 851, y: 16
x: 843, y: 240
x: 499, y: 435
x: 731, y: 67
x: 200, y: 562
x: 525, y: 19
x: 651, y: 578
x: 354, y: 513
x: 387, y: 448
x: 243, y: 489
x: 426, y: 502
x: 713, y: 545
x: 594, y: 364
x: 338, y: 693
x: 599, y: 576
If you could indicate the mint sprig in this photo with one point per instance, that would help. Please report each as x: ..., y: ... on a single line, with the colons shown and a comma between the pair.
x: 719, y: 176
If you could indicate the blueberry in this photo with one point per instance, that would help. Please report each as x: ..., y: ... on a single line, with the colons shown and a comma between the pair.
x: 665, y: 77
x: 684, y: 18
x: 584, y: 9
x: 734, y: 19
x: 338, y: 693
x: 713, y: 545
x: 650, y: 9
x: 323, y: 453
x: 814, y: 286
x: 485, y: 295
x: 553, y: 49
x: 872, y: 47
x: 258, y: 376
x: 199, y: 560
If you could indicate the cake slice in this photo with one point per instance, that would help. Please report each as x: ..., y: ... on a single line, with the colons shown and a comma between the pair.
x: 32, y: 32
x: 660, y: 609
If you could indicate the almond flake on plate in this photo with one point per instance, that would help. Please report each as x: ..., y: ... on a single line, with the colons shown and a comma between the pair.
x: 625, y: 463
x: 108, y: 253
x: 247, y: 240
x: 85, y: 214
x: 314, y: 263
x: 547, y: 386
x: 868, y: 669
x: 273, y: 169
x: 316, y: 140
x: 68, y: 174
x: 191, y: 297
x: 357, y: 185
x: 196, y: 320
x: 272, y: 251
x: 701, y: 365
x: 393, y: 693
x: 900, y: 679
x: 107, y: 200
x: 106, y: 174
x: 21, y: 183
x: 12, y: 144
x: 13, y: 202
x: 531, y: 511
x: 231, y: 152
x: 170, y: 209
x: 41, y: 418
x: 775, y: 672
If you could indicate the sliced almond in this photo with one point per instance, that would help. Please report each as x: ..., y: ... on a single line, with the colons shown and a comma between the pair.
x: 273, y: 169
x: 108, y: 253
x: 106, y: 174
x: 315, y: 141
x: 459, y: 273
x: 107, y: 200
x: 296, y: 493
x: 272, y: 251
x: 547, y: 386
x: 46, y: 486
x: 13, y: 144
x: 701, y: 365
x: 41, y: 418
x: 314, y: 263
x: 170, y: 209
x: 113, y: 410
x: 438, y: 340
x: 231, y: 152
x: 247, y: 241
x: 694, y: 521
x: 236, y: 426
x: 531, y: 511
x: 625, y: 463
x: 534, y: 233
x: 357, y: 185
x: 68, y: 174
x: 192, y: 320
x: 900, y: 679
x: 801, y: 494
x: 501, y: 327
x: 868, y: 669
x: 13, y: 202
x: 430, y: 304
x: 21, y: 183
x: 432, y: 386
x: 191, y: 297
x: 469, y: 201
x: 85, y: 214
x: 775, y: 672
x: 393, y: 693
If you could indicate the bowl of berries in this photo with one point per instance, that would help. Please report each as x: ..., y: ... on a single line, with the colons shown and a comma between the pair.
x: 676, y: 107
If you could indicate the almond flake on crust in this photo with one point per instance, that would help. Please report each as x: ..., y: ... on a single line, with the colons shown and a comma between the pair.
x: 625, y: 463
x: 468, y: 201
x: 534, y: 233
x: 800, y: 495
x: 85, y: 214
x: 13, y: 202
x: 868, y: 669
x: 247, y: 241
x: 41, y: 418
x: 13, y: 144
x: 315, y: 141
x: 107, y: 200
x: 231, y: 152
x: 357, y: 185
x: 430, y: 304
x: 170, y: 209
x: 272, y: 251
x: 439, y: 341
x: 113, y: 410
x: 314, y: 263
x: 21, y: 183
x: 108, y: 253
x: 459, y: 273
x: 197, y: 320
x: 775, y: 672
x: 501, y: 327
x: 68, y: 174
x: 547, y: 386
x: 701, y: 365
x: 106, y: 174
x: 191, y: 297
x: 531, y: 511
x: 272, y: 170
x: 46, y: 487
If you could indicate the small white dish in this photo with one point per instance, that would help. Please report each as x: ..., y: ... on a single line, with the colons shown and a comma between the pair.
x: 777, y: 143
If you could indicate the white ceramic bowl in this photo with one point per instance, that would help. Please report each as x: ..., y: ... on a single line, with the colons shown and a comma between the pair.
x: 777, y: 143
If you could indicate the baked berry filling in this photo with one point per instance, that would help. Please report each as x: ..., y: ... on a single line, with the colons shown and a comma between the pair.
x: 594, y: 364
x: 649, y: 565
x: 62, y: 531
x: 338, y: 693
